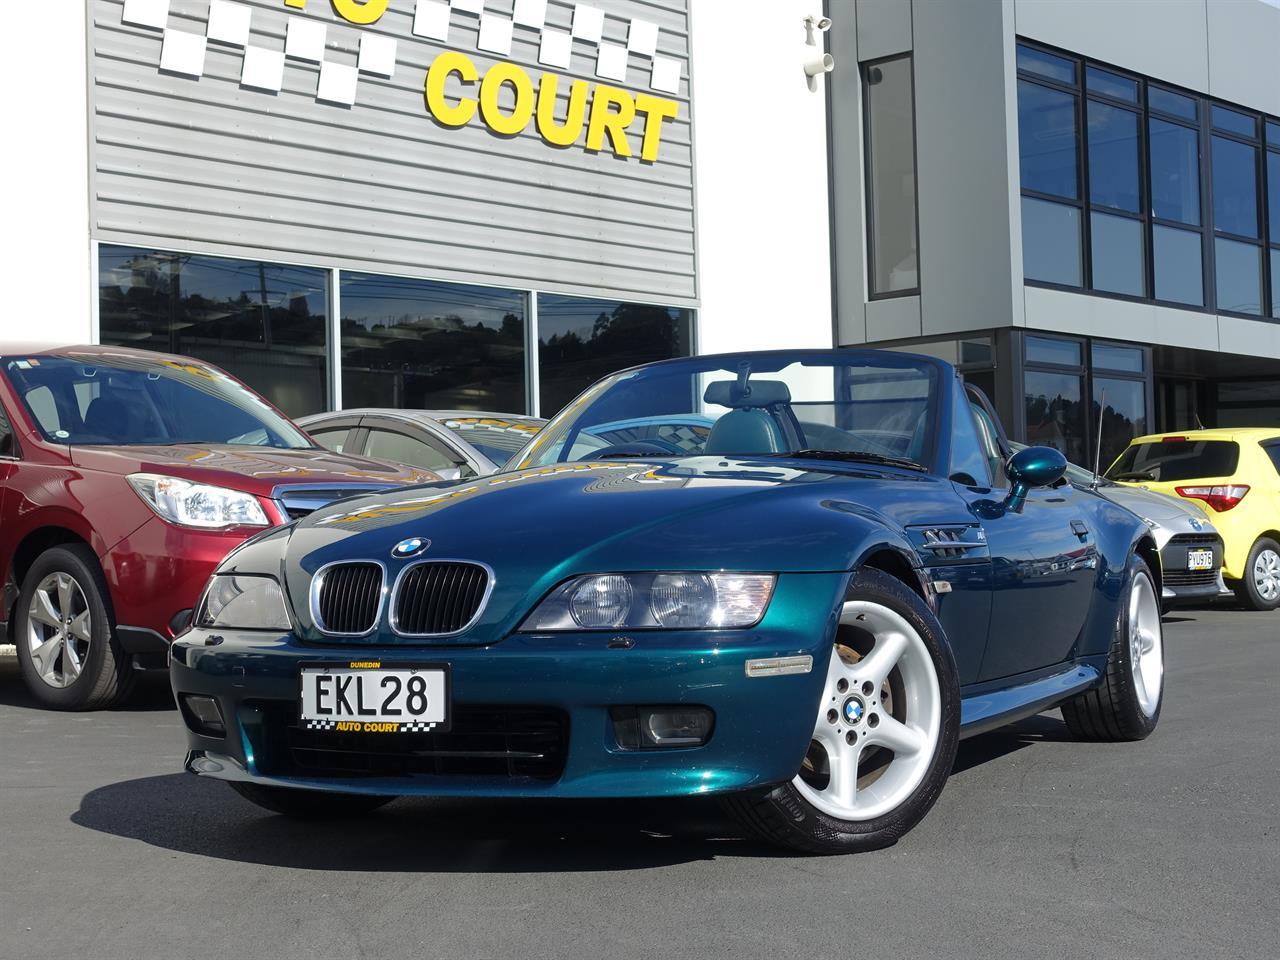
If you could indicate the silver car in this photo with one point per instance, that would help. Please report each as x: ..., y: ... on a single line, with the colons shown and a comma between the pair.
x: 1190, y: 545
x: 454, y: 444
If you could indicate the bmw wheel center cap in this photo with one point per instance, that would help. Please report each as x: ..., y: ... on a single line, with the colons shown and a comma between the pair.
x: 854, y: 710
x: 410, y: 548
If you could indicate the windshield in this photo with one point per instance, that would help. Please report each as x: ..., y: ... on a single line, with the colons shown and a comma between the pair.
x: 499, y: 439
x: 836, y: 404
x: 93, y: 399
x: 1177, y: 458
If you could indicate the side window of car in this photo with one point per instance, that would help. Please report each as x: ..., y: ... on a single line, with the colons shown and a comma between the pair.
x: 7, y: 447
x: 335, y: 439
x: 990, y: 443
x: 969, y: 463
x: 402, y: 448
x: 1273, y: 451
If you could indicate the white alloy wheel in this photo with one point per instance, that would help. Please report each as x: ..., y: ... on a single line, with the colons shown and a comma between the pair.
x: 59, y: 629
x: 1266, y: 575
x: 1146, y: 643
x: 879, y: 718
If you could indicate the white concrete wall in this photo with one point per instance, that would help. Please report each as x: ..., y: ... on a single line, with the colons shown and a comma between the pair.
x: 764, y: 256
x: 44, y: 168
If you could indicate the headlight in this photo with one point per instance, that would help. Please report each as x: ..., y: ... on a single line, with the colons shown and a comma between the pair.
x: 655, y: 601
x: 238, y: 602
x: 197, y: 505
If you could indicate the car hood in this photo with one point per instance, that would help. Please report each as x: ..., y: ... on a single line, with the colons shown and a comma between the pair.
x: 257, y: 470
x: 536, y: 527
x: 1159, y: 507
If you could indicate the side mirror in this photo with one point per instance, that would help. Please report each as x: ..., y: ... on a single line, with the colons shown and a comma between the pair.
x: 1031, y: 468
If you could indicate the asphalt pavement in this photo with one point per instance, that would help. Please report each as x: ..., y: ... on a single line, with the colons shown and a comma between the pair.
x: 1038, y: 847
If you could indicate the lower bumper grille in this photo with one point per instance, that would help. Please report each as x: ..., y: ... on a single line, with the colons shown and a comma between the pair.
x: 507, y: 742
x: 1190, y: 578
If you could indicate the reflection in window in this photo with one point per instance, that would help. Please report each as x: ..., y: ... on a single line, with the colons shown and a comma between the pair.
x: 1050, y: 242
x: 1047, y: 140
x: 426, y: 345
x: 1113, y: 157
x: 1179, y: 273
x: 891, y: 176
x: 582, y: 340
x: 1275, y: 283
x: 1123, y: 406
x: 1055, y: 414
x: 1235, y: 187
x: 1053, y: 350
x: 1046, y: 65
x: 1239, y: 276
x: 1117, y: 249
x: 402, y: 448
x: 264, y: 323
x: 1273, y: 194
x: 1175, y: 172
x: 1166, y: 101
x: 1111, y: 84
x: 1110, y: 356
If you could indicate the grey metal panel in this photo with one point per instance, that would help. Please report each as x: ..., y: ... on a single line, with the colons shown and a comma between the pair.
x: 848, y: 183
x: 895, y: 318
x: 884, y: 27
x: 1244, y: 53
x: 207, y: 165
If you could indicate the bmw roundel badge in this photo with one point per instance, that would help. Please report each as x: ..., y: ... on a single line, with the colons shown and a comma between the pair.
x: 410, y: 548
x: 854, y: 710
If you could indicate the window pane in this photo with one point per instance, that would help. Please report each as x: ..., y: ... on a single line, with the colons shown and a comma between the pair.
x: 1107, y: 356
x: 1055, y: 414
x: 1117, y: 255
x: 1047, y: 65
x: 1178, y: 266
x: 976, y: 350
x: 1163, y: 461
x: 1047, y: 140
x: 335, y: 440
x: 1052, y: 350
x: 1175, y: 172
x: 400, y: 448
x: 1174, y: 103
x: 1275, y: 283
x: 1273, y: 133
x: 1113, y: 157
x: 6, y: 438
x: 1241, y: 123
x: 1111, y: 84
x: 264, y: 323
x: 969, y: 463
x: 1273, y: 194
x: 1050, y: 242
x: 1239, y: 276
x: 891, y: 161
x: 580, y: 341
x: 1235, y: 187
x: 429, y: 346
x: 1123, y: 405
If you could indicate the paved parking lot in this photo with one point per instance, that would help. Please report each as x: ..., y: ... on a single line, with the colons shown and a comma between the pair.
x: 1039, y: 847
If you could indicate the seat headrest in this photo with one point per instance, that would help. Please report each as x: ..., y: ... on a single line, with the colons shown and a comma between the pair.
x: 757, y: 394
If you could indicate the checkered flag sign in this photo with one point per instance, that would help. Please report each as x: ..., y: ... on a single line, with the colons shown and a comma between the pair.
x: 230, y: 23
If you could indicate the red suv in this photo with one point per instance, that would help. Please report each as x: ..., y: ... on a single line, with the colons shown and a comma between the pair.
x: 125, y: 477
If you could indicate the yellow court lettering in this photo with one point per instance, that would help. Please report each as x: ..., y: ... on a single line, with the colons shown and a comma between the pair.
x: 566, y: 134
x: 605, y: 120
x: 657, y: 111
x: 445, y: 66
x: 358, y: 11
x: 498, y: 76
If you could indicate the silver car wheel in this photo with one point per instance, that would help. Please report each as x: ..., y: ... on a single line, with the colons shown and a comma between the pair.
x: 59, y: 630
x: 1146, y: 644
x: 1266, y: 575
x: 879, y: 718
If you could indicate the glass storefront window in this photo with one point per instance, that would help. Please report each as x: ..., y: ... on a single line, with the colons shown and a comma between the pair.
x: 1050, y: 242
x: 581, y: 340
x: 1110, y: 356
x: 1122, y: 405
x: 265, y: 323
x: 1055, y: 413
x: 425, y: 345
x: 891, y: 176
x: 1052, y: 350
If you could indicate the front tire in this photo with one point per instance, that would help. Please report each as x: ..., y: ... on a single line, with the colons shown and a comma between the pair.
x: 1126, y: 705
x: 309, y: 804
x: 1260, y: 588
x: 65, y: 633
x: 885, y: 736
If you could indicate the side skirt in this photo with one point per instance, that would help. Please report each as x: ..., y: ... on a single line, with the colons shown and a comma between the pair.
x: 980, y: 712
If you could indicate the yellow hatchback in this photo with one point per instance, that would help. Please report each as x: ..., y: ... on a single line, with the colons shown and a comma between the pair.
x: 1235, y: 472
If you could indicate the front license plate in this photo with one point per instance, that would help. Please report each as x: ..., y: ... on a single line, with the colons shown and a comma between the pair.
x: 1199, y: 559
x: 363, y: 696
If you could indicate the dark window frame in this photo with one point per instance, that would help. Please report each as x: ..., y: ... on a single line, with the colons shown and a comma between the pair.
x: 1266, y: 241
x: 863, y: 67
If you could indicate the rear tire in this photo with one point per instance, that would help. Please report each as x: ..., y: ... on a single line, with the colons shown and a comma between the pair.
x: 64, y: 630
x: 888, y: 722
x: 309, y: 804
x: 1126, y: 705
x: 1260, y: 588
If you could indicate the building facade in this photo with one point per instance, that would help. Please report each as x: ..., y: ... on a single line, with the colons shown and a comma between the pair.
x: 1078, y: 201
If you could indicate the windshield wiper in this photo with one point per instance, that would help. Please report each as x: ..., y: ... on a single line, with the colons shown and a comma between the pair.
x: 854, y: 456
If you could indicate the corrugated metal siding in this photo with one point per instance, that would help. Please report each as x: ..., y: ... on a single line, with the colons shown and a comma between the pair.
x: 203, y: 163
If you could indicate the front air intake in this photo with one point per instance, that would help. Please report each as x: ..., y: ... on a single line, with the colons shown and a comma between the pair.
x: 347, y: 597
x: 439, y: 598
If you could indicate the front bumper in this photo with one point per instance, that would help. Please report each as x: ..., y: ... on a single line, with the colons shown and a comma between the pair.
x: 762, y: 724
x: 1182, y: 585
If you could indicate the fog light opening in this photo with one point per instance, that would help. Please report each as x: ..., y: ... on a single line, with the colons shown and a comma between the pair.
x: 202, y: 714
x: 661, y: 727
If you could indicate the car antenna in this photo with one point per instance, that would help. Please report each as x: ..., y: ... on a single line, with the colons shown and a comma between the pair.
x: 1097, y: 450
